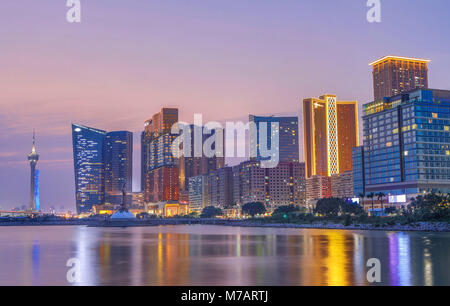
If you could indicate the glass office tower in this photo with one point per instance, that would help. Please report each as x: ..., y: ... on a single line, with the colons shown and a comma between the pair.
x: 288, y: 137
x: 103, y: 166
x: 118, y: 165
x: 407, y: 144
x: 358, y: 171
x: 88, y: 157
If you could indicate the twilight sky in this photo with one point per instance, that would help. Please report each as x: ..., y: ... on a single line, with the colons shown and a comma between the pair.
x: 222, y: 58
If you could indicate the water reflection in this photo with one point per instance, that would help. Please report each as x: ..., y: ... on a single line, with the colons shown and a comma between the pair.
x: 208, y: 255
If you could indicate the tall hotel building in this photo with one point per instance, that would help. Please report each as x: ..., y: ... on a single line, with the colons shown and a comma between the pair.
x: 330, y: 133
x: 102, y: 164
x: 407, y: 144
x: 393, y: 75
x: 160, y: 171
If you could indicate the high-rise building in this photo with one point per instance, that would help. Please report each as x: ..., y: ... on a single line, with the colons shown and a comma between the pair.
x: 330, y: 133
x: 279, y: 186
x: 118, y: 165
x: 393, y: 75
x: 160, y: 171
x: 288, y: 147
x: 407, y: 144
x: 191, y: 166
x: 220, y: 184
x: 199, y: 193
x: 102, y: 165
x: 359, y: 176
x: 89, y: 166
x: 33, y: 158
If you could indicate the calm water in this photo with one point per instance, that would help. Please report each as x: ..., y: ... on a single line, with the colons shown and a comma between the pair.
x: 214, y: 255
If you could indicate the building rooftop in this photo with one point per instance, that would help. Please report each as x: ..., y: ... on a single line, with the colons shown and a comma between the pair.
x: 399, y: 58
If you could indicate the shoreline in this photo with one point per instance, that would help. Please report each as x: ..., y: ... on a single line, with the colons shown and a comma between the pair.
x: 417, y: 227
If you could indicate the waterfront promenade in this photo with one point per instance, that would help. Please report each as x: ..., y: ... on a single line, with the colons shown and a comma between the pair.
x: 419, y: 226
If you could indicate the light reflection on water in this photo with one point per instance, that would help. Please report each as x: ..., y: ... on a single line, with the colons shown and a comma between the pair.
x: 213, y: 255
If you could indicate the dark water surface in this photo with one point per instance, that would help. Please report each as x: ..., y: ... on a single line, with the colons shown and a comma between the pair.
x: 215, y: 255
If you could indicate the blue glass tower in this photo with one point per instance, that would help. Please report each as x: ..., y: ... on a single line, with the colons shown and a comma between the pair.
x: 358, y: 171
x: 89, y: 166
x: 118, y: 165
x: 288, y: 137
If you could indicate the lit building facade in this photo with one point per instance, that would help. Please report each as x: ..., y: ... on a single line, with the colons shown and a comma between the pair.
x: 89, y: 166
x: 159, y: 169
x: 279, y: 186
x: 103, y: 166
x: 393, y: 75
x: 199, y: 196
x: 191, y: 166
x: 407, y: 144
x: 288, y: 147
x: 359, y: 178
x: 330, y: 133
x: 317, y: 187
x: 342, y: 185
x: 118, y: 165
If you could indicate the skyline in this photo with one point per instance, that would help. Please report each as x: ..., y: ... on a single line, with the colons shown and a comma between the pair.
x: 252, y: 67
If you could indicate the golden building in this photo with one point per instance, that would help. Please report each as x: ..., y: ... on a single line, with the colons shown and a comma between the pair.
x: 330, y: 133
x: 393, y: 75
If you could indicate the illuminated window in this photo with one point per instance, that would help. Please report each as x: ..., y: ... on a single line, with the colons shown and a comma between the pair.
x: 389, y: 144
x: 435, y: 115
x: 446, y: 128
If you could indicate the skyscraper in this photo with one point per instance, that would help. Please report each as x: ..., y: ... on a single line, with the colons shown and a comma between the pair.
x: 118, y: 165
x: 393, y: 75
x: 89, y: 166
x: 160, y: 171
x: 407, y: 144
x: 288, y: 147
x: 33, y: 158
x: 191, y: 166
x: 330, y: 132
x: 359, y: 179
x: 102, y: 164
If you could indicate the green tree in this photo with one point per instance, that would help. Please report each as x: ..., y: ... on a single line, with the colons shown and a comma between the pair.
x: 432, y: 206
x: 329, y: 207
x: 372, y: 196
x: 380, y: 196
x: 254, y: 208
x: 211, y: 212
x: 285, y: 212
x: 361, y: 197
